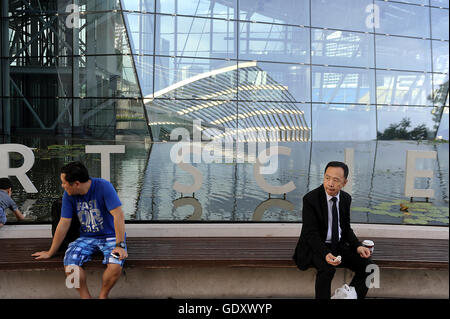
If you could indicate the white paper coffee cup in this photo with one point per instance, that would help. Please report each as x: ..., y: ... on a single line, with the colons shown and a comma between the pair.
x: 369, y: 244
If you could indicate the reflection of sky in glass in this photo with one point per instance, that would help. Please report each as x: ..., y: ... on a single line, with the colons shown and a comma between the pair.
x: 404, y: 19
x: 440, y: 56
x: 206, y: 8
x: 341, y: 14
x: 138, y: 5
x: 403, y: 53
x: 260, y: 41
x: 439, y: 3
x: 195, y: 37
x: 439, y: 23
x: 276, y: 11
x: 344, y: 122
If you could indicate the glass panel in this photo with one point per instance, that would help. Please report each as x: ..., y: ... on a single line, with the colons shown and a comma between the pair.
x: 49, y: 36
x: 217, y: 117
x: 390, y: 163
x: 61, y: 6
x: 52, y: 152
x: 105, y: 76
x: 195, y: 37
x: 140, y: 32
x: 422, y: 2
x: 350, y: 122
x: 42, y: 37
x: 130, y: 117
x: 439, y: 3
x: 403, y: 88
x: 229, y: 192
x: 98, y: 117
x: 41, y: 77
x: 275, y: 11
x: 190, y: 78
x: 282, y: 122
x: 258, y: 41
x: 144, y: 70
x: 360, y: 177
x: 343, y: 85
x: 403, y: 53
x: 102, y: 33
x: 96, y: 5
x: 404, y: 19
x: 199, y: 8
x: 342, y: 14
x: 440, y: 89
x: 440, y: 56
x: 342, y: 48
x: 406, y: 123
x: 255, y: 204
x: 443, y: 126
x: 259, y: 81
x: 48, y: 114
x: 439, y: 23
x: 139, y: 5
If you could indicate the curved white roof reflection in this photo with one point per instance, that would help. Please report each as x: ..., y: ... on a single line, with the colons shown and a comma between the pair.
x: 264, y: 106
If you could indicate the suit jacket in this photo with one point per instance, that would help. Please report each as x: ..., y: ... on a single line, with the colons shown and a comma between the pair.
x: 315, y: 227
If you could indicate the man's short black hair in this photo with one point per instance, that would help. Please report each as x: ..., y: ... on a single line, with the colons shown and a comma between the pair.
x: 75, y: 171
x: 338, y: 164
x: 5, y: 183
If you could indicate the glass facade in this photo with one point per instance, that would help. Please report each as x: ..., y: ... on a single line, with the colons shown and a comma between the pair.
x: 315, y: 76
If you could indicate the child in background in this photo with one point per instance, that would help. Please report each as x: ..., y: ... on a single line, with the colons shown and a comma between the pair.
x: 7, y: 202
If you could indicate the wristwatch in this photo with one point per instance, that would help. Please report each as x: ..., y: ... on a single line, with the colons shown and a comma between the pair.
x: 121, y: 245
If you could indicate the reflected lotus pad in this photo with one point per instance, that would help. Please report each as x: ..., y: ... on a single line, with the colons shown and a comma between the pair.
x: 420, y: 213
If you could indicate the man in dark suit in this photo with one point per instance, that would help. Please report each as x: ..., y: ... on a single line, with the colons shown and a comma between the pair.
x: 326, y: 234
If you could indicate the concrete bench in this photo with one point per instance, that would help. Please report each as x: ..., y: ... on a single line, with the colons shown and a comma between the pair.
x: 226, y: 267
x: 266, y: 252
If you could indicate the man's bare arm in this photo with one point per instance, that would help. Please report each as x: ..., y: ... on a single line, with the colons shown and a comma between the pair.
x: 60, y: 234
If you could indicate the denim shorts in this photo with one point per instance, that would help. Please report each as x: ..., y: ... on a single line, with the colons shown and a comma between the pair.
x: 82, y: 249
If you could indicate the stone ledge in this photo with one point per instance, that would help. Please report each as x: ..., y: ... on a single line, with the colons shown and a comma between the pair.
x: 221, y: 283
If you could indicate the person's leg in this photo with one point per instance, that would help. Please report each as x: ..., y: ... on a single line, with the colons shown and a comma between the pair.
x: 353, y: 261
x: 324, y: 277
x: 79, y: 252
x: 113, y: 268
x: 83, y: 288
x: 110, y: 277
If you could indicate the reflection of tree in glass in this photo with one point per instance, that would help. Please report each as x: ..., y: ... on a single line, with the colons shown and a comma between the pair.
x: 438, y: 98
x: 398, y: 131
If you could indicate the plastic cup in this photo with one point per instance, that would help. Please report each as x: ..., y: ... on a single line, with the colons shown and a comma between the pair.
x: 369, y: 244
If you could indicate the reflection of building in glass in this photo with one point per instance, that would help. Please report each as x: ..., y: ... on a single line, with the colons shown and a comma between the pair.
x: 206, y: 91
x: 87, y: 67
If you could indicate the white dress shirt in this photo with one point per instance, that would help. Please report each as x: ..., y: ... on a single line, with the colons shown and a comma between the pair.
x: 330, y: 216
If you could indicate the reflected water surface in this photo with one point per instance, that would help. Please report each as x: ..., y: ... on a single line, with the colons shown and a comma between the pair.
x: 144, y: 177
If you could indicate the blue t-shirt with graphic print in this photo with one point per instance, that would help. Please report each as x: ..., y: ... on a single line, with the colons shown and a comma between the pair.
x: 93, y: 209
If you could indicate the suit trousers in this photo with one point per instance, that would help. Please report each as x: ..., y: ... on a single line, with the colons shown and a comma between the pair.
x: 351, y: 260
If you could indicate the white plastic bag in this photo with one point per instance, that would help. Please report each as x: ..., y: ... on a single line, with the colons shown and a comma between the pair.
x: 345, y: 292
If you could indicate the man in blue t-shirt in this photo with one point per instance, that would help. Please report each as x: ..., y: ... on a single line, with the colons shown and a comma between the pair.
x: 96, y: 204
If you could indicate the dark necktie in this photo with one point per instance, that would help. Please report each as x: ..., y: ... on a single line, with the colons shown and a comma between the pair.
x: 334, y: 228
